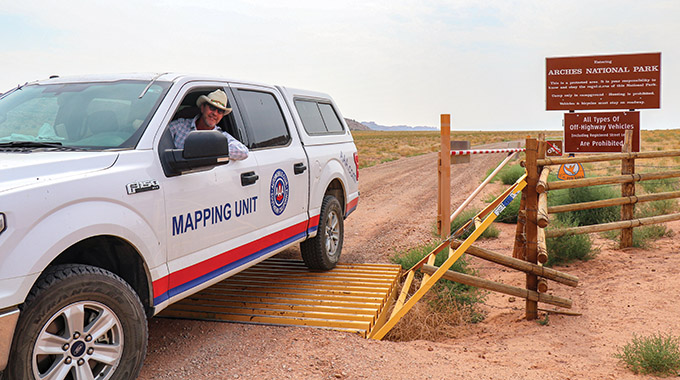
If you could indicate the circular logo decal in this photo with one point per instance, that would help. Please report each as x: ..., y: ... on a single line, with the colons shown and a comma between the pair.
x: 278, y: 192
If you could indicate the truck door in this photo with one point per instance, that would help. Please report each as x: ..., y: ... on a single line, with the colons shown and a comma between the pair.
x: 282, y: 164
x: 210, y: 212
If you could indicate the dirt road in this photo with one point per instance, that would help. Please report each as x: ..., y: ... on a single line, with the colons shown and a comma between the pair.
x: 398, y: 204
x: 621, y: 293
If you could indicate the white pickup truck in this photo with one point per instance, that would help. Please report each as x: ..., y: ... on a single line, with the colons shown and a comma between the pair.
x: 104, y: 222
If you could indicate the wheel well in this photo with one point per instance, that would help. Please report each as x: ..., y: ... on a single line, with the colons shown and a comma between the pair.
x: 336, y: 189
x: 115, y: 255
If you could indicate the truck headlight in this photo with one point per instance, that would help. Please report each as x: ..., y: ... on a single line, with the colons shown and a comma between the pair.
x: 2, y: 222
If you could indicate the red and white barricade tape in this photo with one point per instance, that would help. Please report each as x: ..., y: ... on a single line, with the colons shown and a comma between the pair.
x: 481, y: 151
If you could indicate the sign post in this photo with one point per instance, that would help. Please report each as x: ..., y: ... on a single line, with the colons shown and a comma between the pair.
x: 627, y: 190
x: 444, y: 201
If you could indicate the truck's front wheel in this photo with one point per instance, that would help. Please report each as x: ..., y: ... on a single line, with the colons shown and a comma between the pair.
x: 79, y: 322
x: 323, y: 251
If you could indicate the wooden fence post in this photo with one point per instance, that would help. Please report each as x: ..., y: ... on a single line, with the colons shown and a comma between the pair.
x: 531, y: 226
x: 519, y: 250
x: 444, y: 177
x: 627, y: 190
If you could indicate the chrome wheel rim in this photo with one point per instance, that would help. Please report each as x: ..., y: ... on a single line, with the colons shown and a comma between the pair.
x: 82, y: 341
x: 332, y: 234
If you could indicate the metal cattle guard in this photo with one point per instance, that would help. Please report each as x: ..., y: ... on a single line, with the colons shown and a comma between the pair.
x: 489, y: 214
x: 350, y: 297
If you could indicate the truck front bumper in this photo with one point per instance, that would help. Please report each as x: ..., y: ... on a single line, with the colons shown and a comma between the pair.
x: 8, y: 322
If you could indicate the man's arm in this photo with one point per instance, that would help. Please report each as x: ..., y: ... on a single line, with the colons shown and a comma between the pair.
x: 180, y: 129
x: 237, y: 151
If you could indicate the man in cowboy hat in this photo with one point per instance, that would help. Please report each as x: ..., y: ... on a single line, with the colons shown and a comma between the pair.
x: 213, y: 107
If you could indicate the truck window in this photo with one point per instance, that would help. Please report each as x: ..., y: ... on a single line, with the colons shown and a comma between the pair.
x: 28, y: 117
x: 98, y: 115
x: 330, y: 118
x: 264, y: 120
x: 311, y: 117
x: 318, y: 118
x: 188, y: 110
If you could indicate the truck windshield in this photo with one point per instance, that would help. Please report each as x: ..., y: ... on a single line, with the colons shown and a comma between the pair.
x: 101, y: 115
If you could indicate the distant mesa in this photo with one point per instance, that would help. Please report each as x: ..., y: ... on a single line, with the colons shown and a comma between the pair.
x: 372, y: 126
x: 355, y: 125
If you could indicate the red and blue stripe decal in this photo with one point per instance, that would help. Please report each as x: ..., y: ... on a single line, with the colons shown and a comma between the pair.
x: 351, y: 206
x: 188, y: 278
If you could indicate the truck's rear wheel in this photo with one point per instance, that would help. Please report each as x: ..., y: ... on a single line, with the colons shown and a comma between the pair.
x: 79, y: 322
x: 323, y: 251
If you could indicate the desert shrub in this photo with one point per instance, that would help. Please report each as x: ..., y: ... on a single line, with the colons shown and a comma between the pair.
x: 661, y: 185
x: 568, y: 248
x: 656, y: 355
x: 461, y: 294
x: 407, y: 259
x: 508, y: 175
x: 545, y: 321
x: 642, y: 236
x: 449, y: 297
x: 448, y: 303
x: 662, y: 207
x: 581, y: 195
x: 490, y: 232
x: 449, y: 291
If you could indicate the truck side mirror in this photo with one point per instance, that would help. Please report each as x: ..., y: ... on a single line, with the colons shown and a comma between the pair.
x: 201, y: 144
x: 202, y: 149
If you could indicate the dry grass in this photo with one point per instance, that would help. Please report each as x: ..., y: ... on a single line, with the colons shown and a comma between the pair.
x: 424, y: 323
x: 656, y: 141
x: 376, y: 147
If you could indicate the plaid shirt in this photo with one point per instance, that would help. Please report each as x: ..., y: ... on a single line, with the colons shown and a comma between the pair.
x: 180, y: 129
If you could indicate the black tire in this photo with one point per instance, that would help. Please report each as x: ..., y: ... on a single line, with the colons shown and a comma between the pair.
x: 84, y: 317
x: 323, y: 251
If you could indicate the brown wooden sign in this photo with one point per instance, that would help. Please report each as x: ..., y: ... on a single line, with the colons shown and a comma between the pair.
x: 626, y: 81
x: 600, y: 132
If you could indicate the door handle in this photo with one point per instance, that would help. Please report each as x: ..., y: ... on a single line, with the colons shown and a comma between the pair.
x: 249, y: 178
x: 299, y: 168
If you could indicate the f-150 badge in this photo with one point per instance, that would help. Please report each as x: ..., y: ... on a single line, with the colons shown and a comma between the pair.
x: 142, y: 186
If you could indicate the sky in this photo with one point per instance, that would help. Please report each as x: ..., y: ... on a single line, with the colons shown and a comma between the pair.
x: 394, y: 62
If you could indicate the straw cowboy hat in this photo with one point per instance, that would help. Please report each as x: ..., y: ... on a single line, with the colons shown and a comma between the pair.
x: 217, y: 98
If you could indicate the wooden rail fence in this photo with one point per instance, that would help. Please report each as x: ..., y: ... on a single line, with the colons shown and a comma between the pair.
x: 534, y: 214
